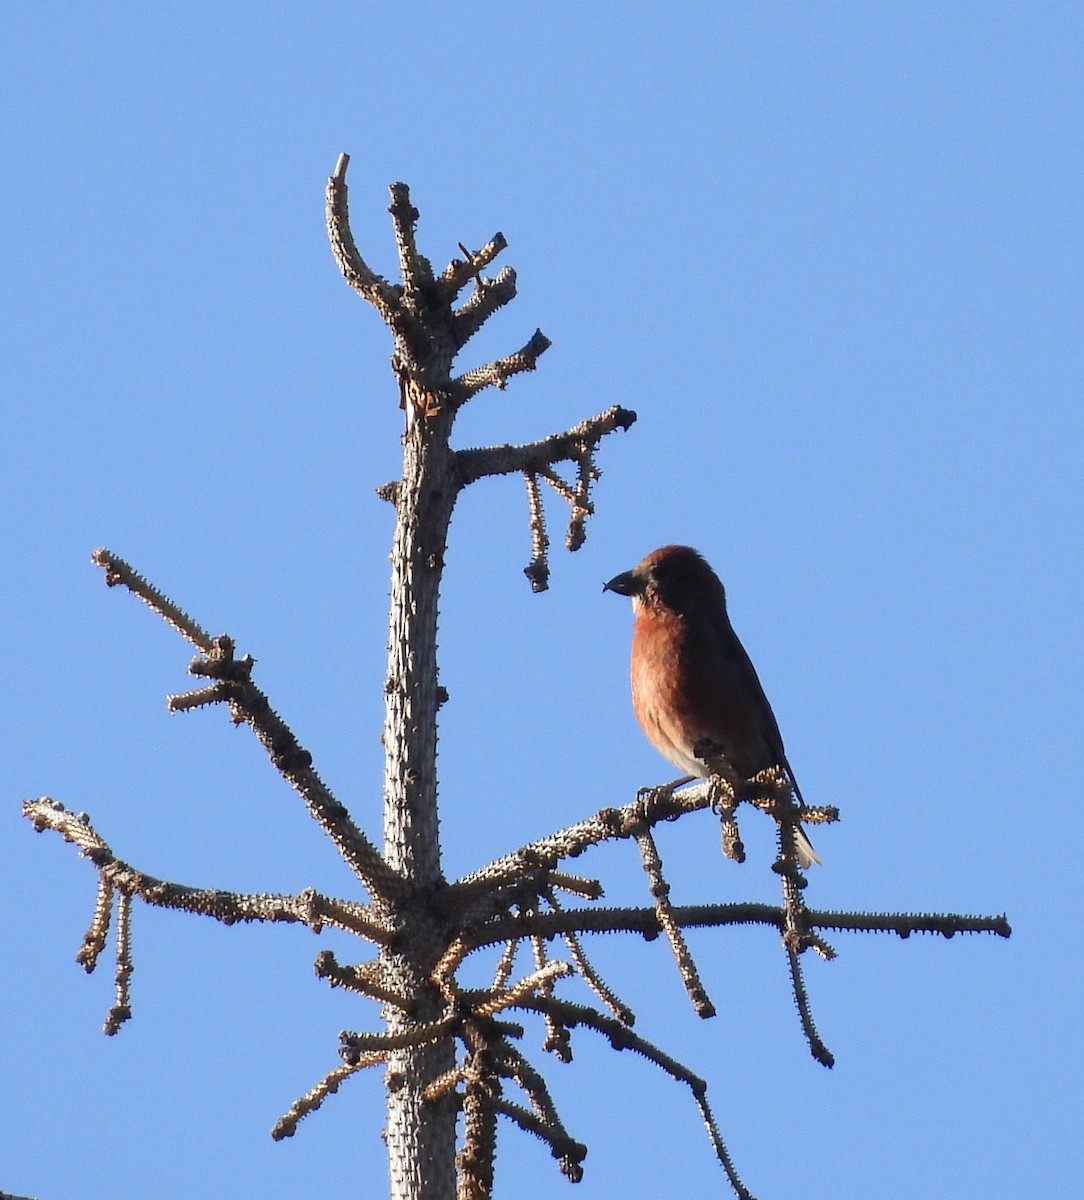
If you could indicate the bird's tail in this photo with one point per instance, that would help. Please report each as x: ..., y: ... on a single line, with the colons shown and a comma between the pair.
x: 807, y: 856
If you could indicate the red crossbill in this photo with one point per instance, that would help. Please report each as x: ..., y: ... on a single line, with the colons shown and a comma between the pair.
x: 693, y: 684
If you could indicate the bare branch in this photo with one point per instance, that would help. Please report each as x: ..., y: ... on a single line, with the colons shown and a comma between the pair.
x: 479, y: 1102
x: 94, y: 939
x: 577, y: 885
x: 249, y: 705
x: 505, y: 963
x: 801, y: 999
x: 718, y: 1145
x: 651, y: 806
x: 589, y: 975
x: 353, y: 1045
x: 904, y: 924
x: 443, y: 1084
x: 488, y: 297
x: 621, y: 1037
x: 568, y: 1152
x: 538, y: 570
x: 512, y: 1064
x: 557, y: 1039
x: 122, y: 1008
x: 578, y: 445
x: 117, y: 571
x: 216, y: 693
x: 476, y: 907
x: 460, y: 271
x: 578, y: 498
x: 798, y: 934
x: 537, y: 456
x: 488, y: 1004
x: 309, y: 908
x: 660, y: 891
x: 372, y: 287
x: 388, y: 492
x: 502, y: 1059
x: 567, y: 493
x: 367, y: 979
x: 645, y: 922
x: 498, y: 372
x: 286, y: 1125
x: 414, y: 267
x: 725, y: 801
x: 386, y: 298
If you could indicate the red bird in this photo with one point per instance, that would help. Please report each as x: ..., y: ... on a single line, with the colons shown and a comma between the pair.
x: 691, y: 678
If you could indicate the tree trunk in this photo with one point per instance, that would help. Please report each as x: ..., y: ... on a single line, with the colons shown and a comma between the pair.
x: 420, y: 1135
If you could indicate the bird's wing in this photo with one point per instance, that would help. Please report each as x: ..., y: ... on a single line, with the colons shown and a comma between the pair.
x: 742, y: 676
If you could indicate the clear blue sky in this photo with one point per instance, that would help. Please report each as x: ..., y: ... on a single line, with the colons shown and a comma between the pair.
x: 831, y: 254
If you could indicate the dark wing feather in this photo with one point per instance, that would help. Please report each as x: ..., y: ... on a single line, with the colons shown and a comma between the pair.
x: 742, y: 676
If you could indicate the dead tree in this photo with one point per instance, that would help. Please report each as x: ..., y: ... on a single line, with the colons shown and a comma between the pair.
x: 453, y: 1055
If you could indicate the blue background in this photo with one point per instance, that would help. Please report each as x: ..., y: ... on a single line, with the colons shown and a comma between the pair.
x: 831, y: 254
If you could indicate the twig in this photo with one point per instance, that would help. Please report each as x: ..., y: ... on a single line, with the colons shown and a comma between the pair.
x: 495, y: 1001
x: 590, y: 976
x: 801, y: 999
x: 557, y: 1040
x: 249, y: 705
x: 481, y: 1093
x: 443, y: 1084
x: 577, y: 885
x: 488, y: 297
x: 641, y: 920
x: 650, y: 807
x: 308, y: 908
x: 461, y: 270
x: 94, y: 939
x: 117, y: 571
x: 364, y: 978
x: 357, y: 273
x: 513, y: 1064
x: 904, y: 924
x: 700, y: 1095
x: 543, y: 1120
x: 505, y: 963
x: 286, y: 1125
x: 798, y: 933
x: 645, y: 922
x: 660, y: 891
x: 122, y: 1008
x: 725, y: 802
x: 498, y: 372
x: 482, y: 462
x: 568, y: 1152
x: 538, y: 570
x: 352, y: 1045
x: 415, y: 269
x: 621, y: 1037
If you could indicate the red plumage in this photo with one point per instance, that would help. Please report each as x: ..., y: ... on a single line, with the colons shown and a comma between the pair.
x: 691, y: 677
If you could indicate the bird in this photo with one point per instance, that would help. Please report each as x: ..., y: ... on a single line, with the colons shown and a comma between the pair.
x: 692, y: 682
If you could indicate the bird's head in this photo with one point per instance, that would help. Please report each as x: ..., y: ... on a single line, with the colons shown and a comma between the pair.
x: 673, y: 578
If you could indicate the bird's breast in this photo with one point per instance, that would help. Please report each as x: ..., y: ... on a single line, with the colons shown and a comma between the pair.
x: 686, y: 687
